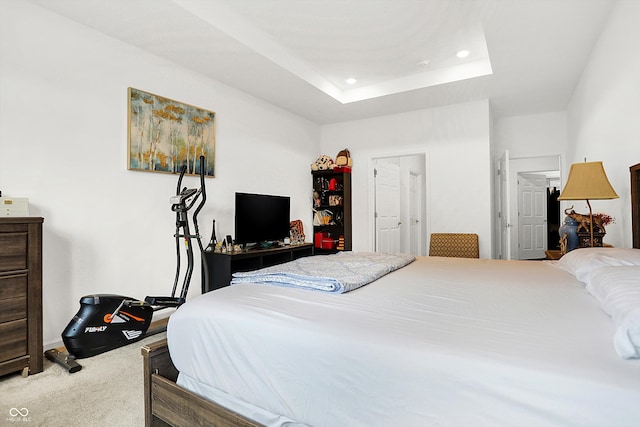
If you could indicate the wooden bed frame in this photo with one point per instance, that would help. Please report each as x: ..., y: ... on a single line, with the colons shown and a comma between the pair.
x: 168, y: 404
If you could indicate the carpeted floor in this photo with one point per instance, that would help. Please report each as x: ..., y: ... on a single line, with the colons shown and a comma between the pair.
x: 108, y: 391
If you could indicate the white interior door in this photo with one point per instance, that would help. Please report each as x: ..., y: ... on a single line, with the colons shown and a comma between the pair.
x: 387, y: 206
x: 532, y: 216
x: 415, y: 215
x: 504, y: 214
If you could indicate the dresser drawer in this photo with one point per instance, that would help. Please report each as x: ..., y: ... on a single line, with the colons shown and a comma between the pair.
x: 13, y: 339
x: 13, y: 297
x: 12, y: 286
x: 13, y: 252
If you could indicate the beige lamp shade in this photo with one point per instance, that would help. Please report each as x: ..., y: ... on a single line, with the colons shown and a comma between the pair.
x: 587, y: 181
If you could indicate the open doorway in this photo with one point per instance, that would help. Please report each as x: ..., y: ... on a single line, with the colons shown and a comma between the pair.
x: 399, y: 201
x: 528, y: 212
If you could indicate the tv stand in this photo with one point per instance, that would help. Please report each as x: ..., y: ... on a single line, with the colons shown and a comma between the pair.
x: 220, y: 266
x: 260, y: 246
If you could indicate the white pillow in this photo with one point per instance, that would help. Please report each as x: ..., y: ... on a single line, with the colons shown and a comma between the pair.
x: 582, y: 262
x: 617, y: 289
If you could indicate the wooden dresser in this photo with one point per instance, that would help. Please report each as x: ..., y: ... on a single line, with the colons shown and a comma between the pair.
x: 21, y: 295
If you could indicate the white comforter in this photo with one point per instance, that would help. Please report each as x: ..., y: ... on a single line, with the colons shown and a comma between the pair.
x: 441, y: 342
x: 341, y: 272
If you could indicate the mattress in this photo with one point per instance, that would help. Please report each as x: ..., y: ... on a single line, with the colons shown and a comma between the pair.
x: 440, y: 342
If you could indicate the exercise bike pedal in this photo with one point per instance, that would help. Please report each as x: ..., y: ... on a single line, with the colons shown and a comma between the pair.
x: 135, y: 303
x: 165, y: 301
x: 66, y: 360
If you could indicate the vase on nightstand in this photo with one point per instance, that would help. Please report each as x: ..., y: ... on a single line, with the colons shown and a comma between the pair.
x: 568, y: 235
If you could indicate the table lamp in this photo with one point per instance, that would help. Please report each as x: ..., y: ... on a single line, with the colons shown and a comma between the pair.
x: 588, y: 181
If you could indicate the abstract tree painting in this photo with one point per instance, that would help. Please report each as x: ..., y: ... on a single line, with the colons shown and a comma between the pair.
x: 164, y: 135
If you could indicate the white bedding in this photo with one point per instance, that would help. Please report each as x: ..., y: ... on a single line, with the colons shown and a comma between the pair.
x: 441, y: 342
x: 339, y: 273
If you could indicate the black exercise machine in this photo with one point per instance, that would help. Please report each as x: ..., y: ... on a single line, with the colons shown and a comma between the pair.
x: 105, y: 321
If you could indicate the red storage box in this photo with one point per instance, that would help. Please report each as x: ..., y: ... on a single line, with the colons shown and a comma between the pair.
x: 319, y: 237
x: 328, y: 243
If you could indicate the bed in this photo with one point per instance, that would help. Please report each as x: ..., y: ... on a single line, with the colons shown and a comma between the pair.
x: 441, y: 341
x: 523, y: 343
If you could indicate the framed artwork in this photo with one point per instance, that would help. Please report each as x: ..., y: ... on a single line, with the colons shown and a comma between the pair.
x: 164, y: 134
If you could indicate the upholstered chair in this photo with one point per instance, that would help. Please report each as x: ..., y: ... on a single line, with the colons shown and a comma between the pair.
x: 459, y: 245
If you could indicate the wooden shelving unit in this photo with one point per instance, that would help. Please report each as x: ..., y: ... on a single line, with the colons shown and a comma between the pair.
x: 334, y: 191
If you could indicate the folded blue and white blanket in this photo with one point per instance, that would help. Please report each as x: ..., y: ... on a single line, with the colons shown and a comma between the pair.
x: 337, y: 273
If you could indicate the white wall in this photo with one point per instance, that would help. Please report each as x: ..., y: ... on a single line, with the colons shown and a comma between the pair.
x: 63, y: 144
x: 455, y: 140
x: 604, y: 114
x: 531, y: 136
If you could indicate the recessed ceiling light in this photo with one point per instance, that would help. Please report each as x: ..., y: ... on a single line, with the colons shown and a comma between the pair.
x: 462, y: 53
x: 351, y: 80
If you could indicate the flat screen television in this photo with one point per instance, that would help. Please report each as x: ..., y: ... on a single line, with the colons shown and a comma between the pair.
x: 261, y: 218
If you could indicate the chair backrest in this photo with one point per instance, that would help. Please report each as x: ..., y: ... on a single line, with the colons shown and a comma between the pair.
x: 459, y: 245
